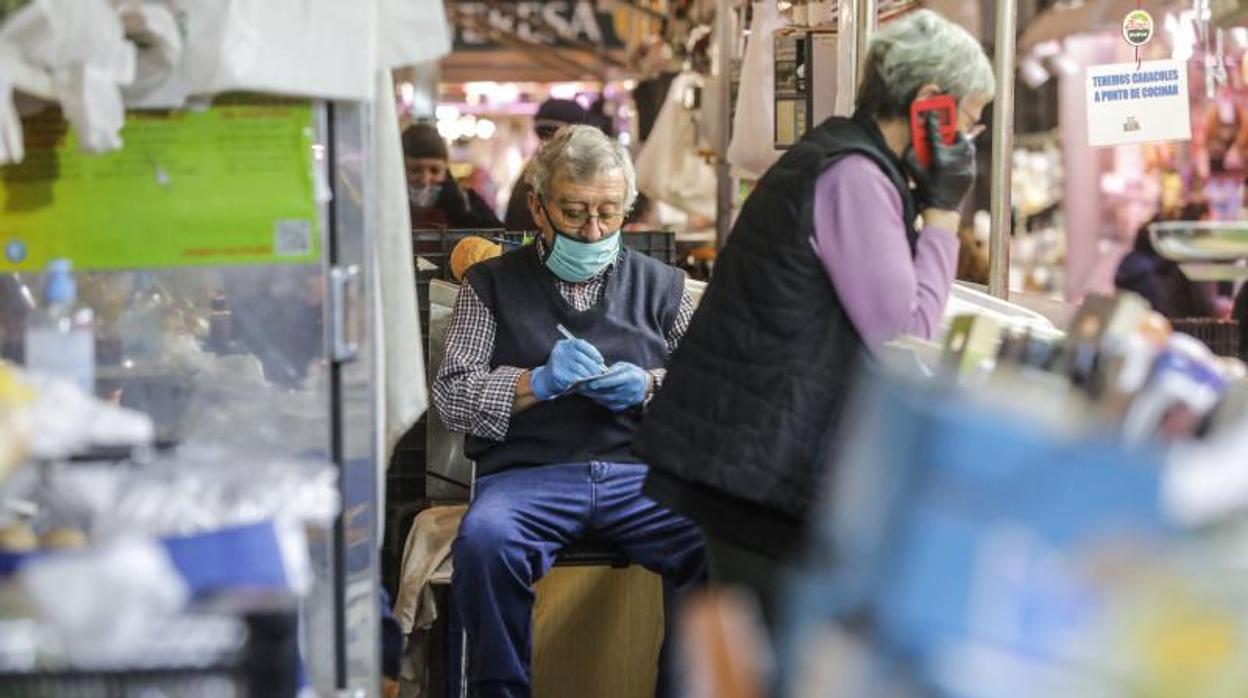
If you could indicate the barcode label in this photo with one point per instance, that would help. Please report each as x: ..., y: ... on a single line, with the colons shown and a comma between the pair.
x: 292, y: 237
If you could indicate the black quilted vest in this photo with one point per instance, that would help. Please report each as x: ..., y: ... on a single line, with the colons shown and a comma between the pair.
x: 754, y: 393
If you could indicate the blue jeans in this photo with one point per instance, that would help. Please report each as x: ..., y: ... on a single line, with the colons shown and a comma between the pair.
x: 508, y: 540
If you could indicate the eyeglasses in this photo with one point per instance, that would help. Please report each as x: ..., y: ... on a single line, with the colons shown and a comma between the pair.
x: 578, y: 218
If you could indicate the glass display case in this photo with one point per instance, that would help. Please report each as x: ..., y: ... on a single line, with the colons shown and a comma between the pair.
x: 224, y: 254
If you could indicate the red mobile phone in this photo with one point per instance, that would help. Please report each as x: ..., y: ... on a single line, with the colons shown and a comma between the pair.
x: 946, y: 109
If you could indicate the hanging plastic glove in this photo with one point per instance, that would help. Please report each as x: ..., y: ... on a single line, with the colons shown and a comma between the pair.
x: 951, y: 175
x: 570, y: 361
x: 82, y: 45
x: 154, y: 29
x: 92, y: 103
x: 624, y: 386
x: 11, y: 146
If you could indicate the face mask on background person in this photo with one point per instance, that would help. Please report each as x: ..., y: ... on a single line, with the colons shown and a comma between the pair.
x: 575, y: 260
x: 424, y: 197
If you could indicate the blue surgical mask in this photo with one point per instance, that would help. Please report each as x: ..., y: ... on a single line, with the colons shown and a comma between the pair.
x: 575, y: 260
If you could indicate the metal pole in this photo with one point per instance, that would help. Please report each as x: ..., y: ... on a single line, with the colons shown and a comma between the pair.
x: 864, y: 28
x: 1002, y: 152
x: 725, y: 45
x: 846, y: 56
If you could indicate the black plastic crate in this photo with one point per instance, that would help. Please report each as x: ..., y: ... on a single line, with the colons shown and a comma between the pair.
x: 660, y: 244
x: 1222, y: 336
x: 436, y: 246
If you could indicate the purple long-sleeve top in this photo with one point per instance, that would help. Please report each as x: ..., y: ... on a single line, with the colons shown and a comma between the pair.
x: 860, y: 239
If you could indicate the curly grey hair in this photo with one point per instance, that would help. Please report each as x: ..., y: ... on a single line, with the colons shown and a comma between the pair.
x: 921, y: 49
x: 581, y: 152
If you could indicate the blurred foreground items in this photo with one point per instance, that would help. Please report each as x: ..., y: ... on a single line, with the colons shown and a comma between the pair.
x: 1020, y: 512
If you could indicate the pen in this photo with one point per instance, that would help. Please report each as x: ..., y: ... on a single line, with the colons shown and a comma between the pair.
x: 602, y: 368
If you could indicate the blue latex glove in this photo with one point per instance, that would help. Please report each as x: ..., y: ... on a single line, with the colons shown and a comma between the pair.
x: 571, y: 360
x: 623, y: 387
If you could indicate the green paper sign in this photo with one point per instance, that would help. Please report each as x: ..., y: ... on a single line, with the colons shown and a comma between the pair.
x: 229, y: 185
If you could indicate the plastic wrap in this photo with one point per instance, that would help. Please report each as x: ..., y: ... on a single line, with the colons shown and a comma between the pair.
x: 65, y: 421
x: 196, y: 490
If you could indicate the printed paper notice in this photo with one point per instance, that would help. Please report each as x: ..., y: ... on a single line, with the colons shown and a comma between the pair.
x: 1145, y: 105
x: 229, y: 185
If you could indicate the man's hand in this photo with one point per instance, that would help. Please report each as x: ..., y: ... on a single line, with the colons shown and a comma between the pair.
x: 624, y: 386
x: 571, y: 360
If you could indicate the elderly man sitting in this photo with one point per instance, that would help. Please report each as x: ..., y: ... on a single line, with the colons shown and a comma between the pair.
x: 551, y: 353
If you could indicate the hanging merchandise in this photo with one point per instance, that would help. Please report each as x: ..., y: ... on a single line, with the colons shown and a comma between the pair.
x: 89, y: 54
x: 80, y: 51
x: 752, y: 150
x: 669, y: 167
x: 153, y: 29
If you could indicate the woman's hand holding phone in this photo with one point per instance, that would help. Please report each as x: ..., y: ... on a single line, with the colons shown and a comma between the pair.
x: 945, y: 182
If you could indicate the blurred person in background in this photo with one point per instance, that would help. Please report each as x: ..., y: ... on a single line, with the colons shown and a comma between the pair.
x: 1160, y: 281
x: 436, y: 199
x: 551, y: 116
x: 824, y: 265
x: 1220, y: 160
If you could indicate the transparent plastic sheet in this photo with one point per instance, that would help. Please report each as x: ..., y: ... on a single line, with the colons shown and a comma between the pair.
x: 155, y: 530
x: 198, y: 490
x: 64, y: 421
x: 185, y: 642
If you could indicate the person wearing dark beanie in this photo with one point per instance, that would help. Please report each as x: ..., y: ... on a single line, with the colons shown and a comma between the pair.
x: 436, y: 199
x: 552, y: 115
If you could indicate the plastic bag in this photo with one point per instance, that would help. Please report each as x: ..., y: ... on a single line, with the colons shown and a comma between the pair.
x: 752, y: 150
x: 669, y: 168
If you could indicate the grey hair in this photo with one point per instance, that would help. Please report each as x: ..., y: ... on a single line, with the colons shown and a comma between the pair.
x: 581, y: 152
x: 920, y: 49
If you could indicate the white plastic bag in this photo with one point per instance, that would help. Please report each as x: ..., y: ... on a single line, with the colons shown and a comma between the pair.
x: 80, y: 45
x: 412, y: 32
x: 752, y: 150
x: 669, y: 168
x: 314, y: 48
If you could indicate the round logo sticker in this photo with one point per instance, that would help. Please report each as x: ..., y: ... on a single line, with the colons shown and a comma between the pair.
x: 15, y: 251
x: 1137, y: 28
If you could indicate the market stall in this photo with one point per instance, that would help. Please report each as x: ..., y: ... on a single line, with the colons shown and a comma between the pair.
x: 1086, y: 198
x: 208, y: 300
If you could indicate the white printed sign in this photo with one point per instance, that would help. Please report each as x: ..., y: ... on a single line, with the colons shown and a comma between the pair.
x: 1145, y: 105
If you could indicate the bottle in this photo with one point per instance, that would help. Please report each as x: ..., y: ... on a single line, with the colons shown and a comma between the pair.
x: 60, y: 339
x: 141, y: 324
x: 220, y: 327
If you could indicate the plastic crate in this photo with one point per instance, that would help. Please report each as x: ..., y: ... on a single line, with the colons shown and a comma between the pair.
x: 660, y: 244
x: 265, y: 664
x: 435, y: 246
x: 1222, y: 336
